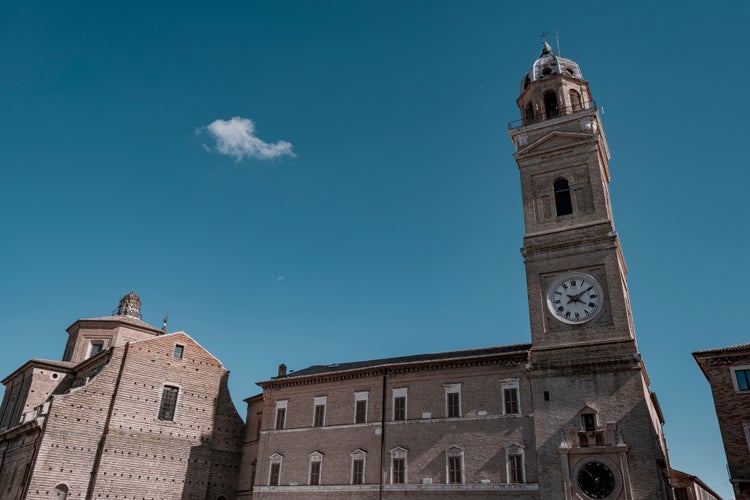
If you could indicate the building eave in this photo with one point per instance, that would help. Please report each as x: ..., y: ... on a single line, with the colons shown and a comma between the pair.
x: 513, y: 357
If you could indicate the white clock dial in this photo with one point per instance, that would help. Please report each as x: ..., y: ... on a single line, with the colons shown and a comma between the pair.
x: 575, y: 298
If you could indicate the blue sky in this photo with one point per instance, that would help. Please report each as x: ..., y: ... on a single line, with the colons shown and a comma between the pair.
x: 384, y: 214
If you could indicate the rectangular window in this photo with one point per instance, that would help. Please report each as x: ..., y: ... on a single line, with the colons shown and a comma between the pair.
x: 96, y: 348
x: 511, y: 401
x: 358, y: 471
x: 511, y: 396
x: 398, y: 471
x: 168, y: 402
x: 319, y: 411
x: 454, y: 405
x: 275, y: 473
x: 280, y: 416
x: 360, y: 411
x: 399, y: 404
x: 178, y: 350
x: 320, y: 415
x: 455, y: 475
x: 399, y: 408
x: 315, y: 473
x: 452, y: 400
x: 515, y: 468
x: 743, y: 379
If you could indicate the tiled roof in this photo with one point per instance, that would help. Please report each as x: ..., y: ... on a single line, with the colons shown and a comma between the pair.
x: 65, y: 365
x: 417, y: 358
x: 738, y: 347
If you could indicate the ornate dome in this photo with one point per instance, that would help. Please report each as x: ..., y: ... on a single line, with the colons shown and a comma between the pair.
x: 549, y: 64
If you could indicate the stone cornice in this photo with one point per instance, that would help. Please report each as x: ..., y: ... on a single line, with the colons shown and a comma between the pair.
x: 515, y: 358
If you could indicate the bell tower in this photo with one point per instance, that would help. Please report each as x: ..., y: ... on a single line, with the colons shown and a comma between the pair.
x: 597, y: 425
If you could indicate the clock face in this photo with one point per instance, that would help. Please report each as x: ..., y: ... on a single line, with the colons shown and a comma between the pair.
x: 575, y: 298
x: 595, y: 479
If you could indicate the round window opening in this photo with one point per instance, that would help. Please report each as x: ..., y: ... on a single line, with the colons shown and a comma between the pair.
x: 54, y: 375
x: 546, y: 71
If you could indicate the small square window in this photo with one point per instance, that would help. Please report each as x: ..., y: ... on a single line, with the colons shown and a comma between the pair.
x: 178, y: 350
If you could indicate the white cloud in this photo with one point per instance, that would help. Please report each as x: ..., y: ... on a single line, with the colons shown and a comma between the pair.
x: 236, y: 138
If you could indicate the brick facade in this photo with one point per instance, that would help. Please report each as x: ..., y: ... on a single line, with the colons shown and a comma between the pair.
x: 732, y: 402
x: 98, y: 430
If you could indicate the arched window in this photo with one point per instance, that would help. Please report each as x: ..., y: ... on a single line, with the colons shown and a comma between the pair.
x: 526, y: 82
x: 551, y: 108
x: 575, y: 101
x: 563, y: 203
x: 61, y: 492
x: 528, y: 115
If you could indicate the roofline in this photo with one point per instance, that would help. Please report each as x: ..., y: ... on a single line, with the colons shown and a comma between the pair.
x: 523, y: 351
x: 718, y: 350
x: 115, y: 319
x: 253, y: 398
x: 699, y: 481
x: 180, y: 332
x: 42, y: 363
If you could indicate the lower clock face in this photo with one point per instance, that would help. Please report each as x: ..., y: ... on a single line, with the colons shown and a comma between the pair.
x: 596, y: 479
x: 575, y: 298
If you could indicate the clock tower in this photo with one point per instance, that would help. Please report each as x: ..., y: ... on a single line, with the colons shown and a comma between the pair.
x: 597, y: 425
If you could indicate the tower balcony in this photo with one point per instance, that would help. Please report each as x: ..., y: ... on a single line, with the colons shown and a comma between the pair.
x: 551, y: 114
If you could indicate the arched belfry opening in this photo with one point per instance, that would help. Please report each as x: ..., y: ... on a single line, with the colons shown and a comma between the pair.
x: 551, y: 108
x: 563, y: 202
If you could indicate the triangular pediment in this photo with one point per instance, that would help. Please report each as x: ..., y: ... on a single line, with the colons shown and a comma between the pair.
x: 554, y: 140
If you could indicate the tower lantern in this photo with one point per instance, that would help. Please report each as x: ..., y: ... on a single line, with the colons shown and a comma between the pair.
x: 130, y: 305
x: 554, y: 86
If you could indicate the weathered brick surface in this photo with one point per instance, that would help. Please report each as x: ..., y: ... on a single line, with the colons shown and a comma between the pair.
x: 732, y: 411
x: 482, y: 432
x: 102, y: 438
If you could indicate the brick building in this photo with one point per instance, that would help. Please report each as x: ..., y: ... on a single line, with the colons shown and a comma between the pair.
x: 728, y: 372
x: 129, y: 412
x: 568, y: 416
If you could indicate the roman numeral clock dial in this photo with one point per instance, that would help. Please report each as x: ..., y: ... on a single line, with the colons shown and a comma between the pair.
x: 575, y: 298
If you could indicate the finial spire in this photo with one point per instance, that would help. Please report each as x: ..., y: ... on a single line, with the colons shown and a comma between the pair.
x: 130, y: 305
x: 164, y: 325
x: 546, y: 49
